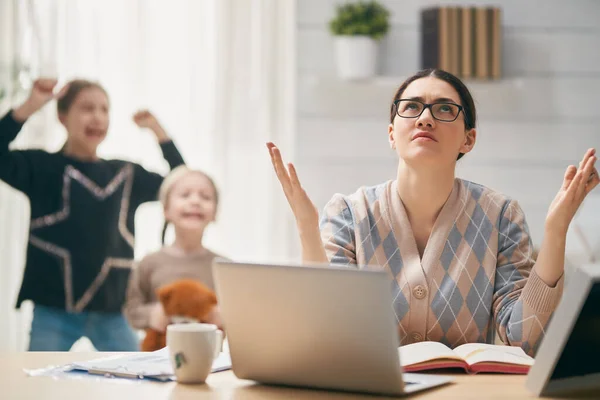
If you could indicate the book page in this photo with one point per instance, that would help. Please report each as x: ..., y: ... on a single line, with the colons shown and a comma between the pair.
x: 474, y: 353
x: 417, y: 353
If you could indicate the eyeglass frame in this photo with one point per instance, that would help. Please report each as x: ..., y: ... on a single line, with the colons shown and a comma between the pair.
x: 428, y: 106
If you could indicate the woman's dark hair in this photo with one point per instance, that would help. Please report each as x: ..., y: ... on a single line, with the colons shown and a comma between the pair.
x: 65, y: 102
x: 469, y: 112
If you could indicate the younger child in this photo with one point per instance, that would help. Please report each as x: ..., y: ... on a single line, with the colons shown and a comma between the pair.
x: 189, y: 200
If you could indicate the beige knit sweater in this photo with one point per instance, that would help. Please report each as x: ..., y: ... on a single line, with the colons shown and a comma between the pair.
x: 159, y: 269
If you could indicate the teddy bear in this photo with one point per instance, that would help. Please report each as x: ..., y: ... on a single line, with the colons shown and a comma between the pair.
x: 184, y: 300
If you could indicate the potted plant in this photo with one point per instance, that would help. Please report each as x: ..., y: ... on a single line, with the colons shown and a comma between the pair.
x: 357, y: 28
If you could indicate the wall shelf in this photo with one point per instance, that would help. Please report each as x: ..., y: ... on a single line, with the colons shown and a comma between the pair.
x: 523, y: 98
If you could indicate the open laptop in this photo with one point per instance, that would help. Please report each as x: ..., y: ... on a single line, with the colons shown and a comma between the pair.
x: 316, y: 327
x: 568, y: 359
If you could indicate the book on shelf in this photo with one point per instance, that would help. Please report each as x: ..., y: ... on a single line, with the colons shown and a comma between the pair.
x: 465, y: 41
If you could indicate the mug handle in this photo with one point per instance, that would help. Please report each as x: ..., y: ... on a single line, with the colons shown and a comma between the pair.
x: 218, y: 343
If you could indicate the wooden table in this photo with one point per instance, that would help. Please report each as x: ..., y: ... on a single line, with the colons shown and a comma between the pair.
x: 15, y: 384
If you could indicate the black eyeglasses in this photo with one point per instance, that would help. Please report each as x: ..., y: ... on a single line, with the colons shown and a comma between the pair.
x: 443, y: 111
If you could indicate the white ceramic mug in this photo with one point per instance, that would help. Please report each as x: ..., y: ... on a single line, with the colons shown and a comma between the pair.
x: 192, y: 350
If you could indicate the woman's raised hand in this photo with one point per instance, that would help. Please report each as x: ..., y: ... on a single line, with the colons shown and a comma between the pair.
x: 577, y: 183
x: 307, y: 215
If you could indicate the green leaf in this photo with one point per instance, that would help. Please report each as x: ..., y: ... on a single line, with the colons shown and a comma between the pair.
x: 368, y: 18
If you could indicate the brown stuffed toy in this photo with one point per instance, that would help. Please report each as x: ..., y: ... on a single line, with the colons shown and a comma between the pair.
x: 184, y: 299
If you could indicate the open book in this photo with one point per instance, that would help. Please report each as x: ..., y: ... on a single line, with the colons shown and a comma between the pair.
x: 472, y: 357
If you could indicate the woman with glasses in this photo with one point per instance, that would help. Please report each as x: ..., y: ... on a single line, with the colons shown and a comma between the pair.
x: 458, y: 254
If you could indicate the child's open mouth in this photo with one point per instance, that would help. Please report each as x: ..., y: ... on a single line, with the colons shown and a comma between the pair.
x: 193, y: 215
x: 95, y: 133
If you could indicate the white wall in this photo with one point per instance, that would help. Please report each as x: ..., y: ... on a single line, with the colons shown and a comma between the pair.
x: 533, y: 123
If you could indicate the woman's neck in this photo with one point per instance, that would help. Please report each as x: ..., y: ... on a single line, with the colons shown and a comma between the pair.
x: 424, y: 191
x: 188, y: 242
x: 82, y: 153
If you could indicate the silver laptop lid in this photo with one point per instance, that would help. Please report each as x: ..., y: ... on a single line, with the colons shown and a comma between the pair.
x: 567, y: 359
x: 317, y: 327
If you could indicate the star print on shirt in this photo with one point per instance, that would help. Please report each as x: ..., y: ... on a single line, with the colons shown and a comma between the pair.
x: 93, y: 235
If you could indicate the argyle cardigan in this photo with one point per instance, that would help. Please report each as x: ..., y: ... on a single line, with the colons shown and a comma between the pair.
x: 476, y: 275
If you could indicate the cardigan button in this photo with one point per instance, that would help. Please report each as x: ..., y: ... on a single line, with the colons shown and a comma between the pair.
x: 420, y: 292
x: 416, y: 337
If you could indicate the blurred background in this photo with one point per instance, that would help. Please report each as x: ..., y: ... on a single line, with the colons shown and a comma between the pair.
x: 226, y: 76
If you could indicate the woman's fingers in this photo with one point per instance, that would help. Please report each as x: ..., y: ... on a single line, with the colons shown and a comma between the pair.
x: 280, y: 170
x: 592, y: 183
x: 575, y: 184
x: 593, y: 179
x: 294, y: 176
x: 275, y: 157
x: 593, y: 175
x: 586, y: 173
x: 589, y: 153
x: 577, y: 180
x: 278, y: 163
x: 569, y: 176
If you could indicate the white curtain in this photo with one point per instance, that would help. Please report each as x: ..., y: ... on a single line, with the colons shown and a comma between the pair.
x: 219, y: 75
x: 14, y: 210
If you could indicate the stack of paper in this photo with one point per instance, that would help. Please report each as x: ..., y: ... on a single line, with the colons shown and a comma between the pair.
x: 154, y: 365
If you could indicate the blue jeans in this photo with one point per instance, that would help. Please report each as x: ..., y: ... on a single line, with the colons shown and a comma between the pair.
x: 54, y: 329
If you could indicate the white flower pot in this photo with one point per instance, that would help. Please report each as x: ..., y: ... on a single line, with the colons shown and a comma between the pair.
x: 356, y: 57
